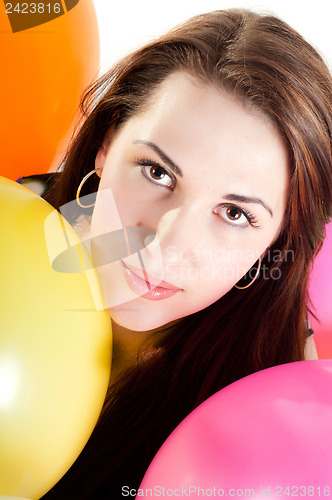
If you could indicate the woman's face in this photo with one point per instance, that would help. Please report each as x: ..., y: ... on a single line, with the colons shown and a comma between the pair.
x: 210, y: 177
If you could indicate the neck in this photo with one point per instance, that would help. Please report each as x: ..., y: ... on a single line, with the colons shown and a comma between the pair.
x: 128, y: 344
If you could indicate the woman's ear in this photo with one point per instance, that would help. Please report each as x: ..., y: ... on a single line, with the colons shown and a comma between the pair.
x: 102, y: 151
x: 100, y: 159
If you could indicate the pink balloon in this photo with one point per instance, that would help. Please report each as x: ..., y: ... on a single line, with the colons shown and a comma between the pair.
x: 320, y: 290
x: 268, y: 434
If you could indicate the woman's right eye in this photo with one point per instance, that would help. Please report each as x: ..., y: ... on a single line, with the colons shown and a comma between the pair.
x: 156, y: 174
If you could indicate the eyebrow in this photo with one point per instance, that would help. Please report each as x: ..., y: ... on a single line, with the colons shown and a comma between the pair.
x: 248, y: 199
x: 166, y: 159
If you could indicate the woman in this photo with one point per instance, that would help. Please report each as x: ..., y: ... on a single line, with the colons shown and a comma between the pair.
x: 218, y: 137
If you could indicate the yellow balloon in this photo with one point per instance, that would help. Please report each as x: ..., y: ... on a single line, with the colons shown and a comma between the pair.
x: 5, y: 497
x: 55, y: 345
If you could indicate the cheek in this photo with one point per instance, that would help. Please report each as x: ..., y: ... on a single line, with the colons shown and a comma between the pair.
x: 123, y: 183
x: 206, y: 283
x: 213, y: 270
x: 113, y: 202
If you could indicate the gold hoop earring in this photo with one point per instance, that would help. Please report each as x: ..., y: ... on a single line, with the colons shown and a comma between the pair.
x: 255, y: 277
x: 78, y: 192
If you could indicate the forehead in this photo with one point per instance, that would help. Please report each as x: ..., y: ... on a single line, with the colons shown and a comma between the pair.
x: 204, y: 107
x: 181, y: 88
x: 197, y: 121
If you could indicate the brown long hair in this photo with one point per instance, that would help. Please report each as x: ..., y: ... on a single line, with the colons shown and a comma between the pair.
x: 267, y: 64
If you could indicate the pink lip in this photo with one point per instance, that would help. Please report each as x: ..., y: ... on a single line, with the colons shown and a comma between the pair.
x: 148, y: 289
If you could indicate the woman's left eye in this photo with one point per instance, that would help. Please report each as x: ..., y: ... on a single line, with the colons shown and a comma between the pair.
x: 235, y: 216
x: 156, y: 174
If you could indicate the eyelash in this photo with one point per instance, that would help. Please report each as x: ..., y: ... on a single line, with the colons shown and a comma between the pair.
x: 250, y: 217
x: 151, y: 163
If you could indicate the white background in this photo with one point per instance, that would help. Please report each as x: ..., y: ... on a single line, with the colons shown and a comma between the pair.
x: 124, y: 25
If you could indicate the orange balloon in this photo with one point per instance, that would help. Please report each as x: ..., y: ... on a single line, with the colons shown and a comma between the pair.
x: 44, y: 70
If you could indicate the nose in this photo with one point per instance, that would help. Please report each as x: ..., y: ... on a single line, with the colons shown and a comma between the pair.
x: 176, y: 235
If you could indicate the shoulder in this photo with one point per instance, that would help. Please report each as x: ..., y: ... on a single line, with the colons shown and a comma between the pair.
x: 39, y: 183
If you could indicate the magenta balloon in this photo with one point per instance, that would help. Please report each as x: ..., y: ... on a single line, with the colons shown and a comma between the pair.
x: 320, y: 290
x: 269, y: 433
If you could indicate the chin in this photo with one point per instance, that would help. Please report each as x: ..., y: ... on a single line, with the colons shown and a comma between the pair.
x: 132, y: 319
